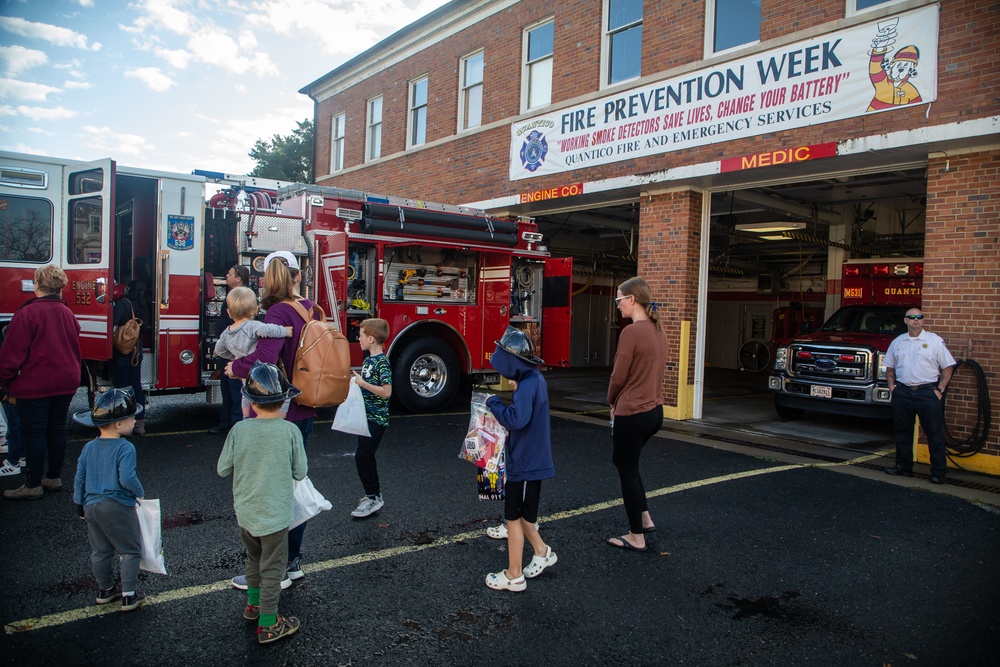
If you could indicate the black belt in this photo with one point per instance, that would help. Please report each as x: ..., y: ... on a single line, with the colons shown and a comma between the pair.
x: 915, y: 387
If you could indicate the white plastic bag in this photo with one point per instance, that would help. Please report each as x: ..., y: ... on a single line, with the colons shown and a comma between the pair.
x: 351, y: 417
x: 308, y: 502
x: 148, y: 512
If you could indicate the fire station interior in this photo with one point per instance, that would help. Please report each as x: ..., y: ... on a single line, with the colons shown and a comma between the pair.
x: 770, y: 258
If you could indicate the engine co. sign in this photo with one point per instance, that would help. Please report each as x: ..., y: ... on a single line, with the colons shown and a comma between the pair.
x: 869, y: 68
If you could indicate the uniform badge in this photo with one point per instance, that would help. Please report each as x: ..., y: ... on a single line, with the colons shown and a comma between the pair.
x: 924, y: 346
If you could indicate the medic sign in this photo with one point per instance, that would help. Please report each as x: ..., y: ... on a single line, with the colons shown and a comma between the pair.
x: 552, y: 193
x: 783, y: 156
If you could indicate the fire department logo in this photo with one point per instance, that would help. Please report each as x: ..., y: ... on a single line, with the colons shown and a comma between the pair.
x: 533, y: 150
x: 180, y: 232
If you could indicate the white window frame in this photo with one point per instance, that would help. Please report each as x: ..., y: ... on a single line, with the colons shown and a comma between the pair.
x: 373, y: 129
x: 606, y: 45
x: 463, y: 91
x: 337, y: 142
x: 852, y: 7
x: 710, y: 12
x: 414, y: 111
x: 527, y: 67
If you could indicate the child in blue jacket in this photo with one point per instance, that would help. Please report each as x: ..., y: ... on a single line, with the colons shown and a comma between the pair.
x: 528, y: 457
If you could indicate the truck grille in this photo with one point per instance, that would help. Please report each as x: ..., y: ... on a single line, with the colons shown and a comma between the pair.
x: 841, y: 364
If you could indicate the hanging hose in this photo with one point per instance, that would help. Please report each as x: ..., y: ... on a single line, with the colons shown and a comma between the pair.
x: 973, y: 444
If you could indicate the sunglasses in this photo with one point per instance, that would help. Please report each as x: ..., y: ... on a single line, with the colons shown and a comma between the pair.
x: 618, y: 299
x: 914, y: 317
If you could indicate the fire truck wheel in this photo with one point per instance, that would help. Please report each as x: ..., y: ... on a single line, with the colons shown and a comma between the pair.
x: 786, y: 412
x: 425, y: 375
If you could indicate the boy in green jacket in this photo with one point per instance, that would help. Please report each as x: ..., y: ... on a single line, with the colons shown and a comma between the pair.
x: 264, y: 455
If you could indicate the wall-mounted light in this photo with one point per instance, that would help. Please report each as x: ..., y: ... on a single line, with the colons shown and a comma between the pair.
x: 764, y: 227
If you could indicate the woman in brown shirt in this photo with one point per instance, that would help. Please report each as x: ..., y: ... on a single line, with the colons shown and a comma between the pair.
x: 636, y: 398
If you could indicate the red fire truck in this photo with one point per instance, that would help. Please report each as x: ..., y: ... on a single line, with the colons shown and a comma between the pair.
x: 448, y: 279
x: 839, y: 368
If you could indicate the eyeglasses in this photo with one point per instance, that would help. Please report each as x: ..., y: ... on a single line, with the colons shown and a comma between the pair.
x: 618, y: 299
x: 914, y: 317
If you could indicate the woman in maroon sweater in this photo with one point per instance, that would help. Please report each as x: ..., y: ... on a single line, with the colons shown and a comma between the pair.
x: 40, y: 365
x: 636, y: 398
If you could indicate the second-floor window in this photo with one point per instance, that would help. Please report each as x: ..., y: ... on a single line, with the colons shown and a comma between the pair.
x: 338, y: 130
x: 374, y: 151
x: 732, y: 23
x: 471, y: 98
x: 537, y: 80
x: 623, y: 40
x: 418, y: 112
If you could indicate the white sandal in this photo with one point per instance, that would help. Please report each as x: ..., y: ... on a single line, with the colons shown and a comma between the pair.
x: 537, y: 564
x: 499, y: 581
x: 500, y: 532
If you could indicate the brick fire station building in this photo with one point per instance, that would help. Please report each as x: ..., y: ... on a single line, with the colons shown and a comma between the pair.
x: 734, y: 153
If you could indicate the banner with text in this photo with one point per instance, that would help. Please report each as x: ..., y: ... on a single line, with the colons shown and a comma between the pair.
x: 866, y: 69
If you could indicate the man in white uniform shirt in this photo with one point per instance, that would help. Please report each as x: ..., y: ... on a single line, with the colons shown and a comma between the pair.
x: 918, y: 370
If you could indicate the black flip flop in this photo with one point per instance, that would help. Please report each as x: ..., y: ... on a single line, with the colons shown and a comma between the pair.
x: 625, y: 544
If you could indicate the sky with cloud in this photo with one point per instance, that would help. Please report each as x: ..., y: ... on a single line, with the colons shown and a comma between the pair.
x: 175, y: 85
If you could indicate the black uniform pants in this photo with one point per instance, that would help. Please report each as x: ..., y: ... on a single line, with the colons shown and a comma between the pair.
x: 907, y: 405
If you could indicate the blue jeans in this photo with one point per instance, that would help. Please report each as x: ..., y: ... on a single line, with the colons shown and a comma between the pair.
x: 232, y: 398
x: 295, y: 534
x: 43, y: 433
x: 125, y: 375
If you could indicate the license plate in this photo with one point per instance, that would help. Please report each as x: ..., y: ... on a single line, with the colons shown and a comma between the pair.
x: 820, y: 391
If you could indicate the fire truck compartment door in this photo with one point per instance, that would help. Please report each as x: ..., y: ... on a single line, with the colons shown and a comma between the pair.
x: 88, y: 207
x: 557, y: 294
x: 331, y: 288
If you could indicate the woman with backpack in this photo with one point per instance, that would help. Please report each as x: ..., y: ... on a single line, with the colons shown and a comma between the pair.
x: 278, y: 295
x: 126, y: 367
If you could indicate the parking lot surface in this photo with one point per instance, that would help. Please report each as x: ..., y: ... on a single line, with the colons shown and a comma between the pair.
x: 760, y: 558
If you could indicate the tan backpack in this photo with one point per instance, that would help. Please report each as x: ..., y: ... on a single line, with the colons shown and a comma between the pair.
x: 322, y: 370
x: 126, y: 336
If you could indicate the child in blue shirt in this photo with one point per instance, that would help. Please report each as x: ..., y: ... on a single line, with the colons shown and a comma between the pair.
x: 106, y: 490
x: 528, y: 457
x: 375, y: 380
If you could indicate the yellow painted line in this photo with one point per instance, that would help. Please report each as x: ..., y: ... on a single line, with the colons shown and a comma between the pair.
x: 72, y: 615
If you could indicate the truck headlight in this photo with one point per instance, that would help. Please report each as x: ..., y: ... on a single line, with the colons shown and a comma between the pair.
x: 881, y: 365
x: 780, y: 358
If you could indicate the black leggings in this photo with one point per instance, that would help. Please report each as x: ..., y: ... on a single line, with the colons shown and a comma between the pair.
x: 630, y: 434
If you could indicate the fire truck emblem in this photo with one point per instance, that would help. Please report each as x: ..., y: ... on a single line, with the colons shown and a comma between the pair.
x: 180, y: 232
x: 533, y: 150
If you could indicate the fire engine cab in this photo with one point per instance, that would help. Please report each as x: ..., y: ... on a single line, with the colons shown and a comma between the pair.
x: 448, y: 279
x: 839, y: 368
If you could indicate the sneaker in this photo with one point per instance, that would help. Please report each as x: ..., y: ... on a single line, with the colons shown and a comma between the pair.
x: 9, y: 469
x: 240, y: 582
x: 24, y: 493
x: 52, y: 484
x: 130, y: 602
x: 252, y: 612
x: 105, y: 596
x: 283, y: 628
x: 499, y: 581
x: 537, y: 564
x: 368, y: 506
x: 294, y: 570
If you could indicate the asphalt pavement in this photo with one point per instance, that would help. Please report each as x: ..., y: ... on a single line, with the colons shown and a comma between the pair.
x: 759, y: 559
